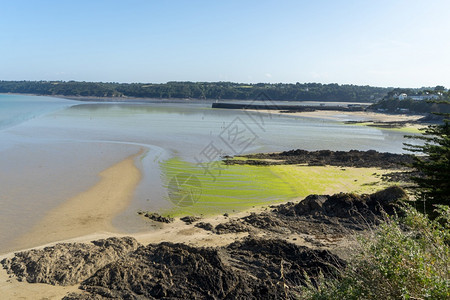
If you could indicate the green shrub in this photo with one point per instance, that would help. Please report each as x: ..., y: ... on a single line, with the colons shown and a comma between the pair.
x: 405, y: 258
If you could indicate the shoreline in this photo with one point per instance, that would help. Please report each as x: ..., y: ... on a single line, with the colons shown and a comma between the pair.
x: 129, y: 98
x: 307, y: 234
x: 176, y: 232
x: 92, y: 210
x: 116, y: 99
x: 393, y: 122
x: 114, y: 191
x: 344, y: 116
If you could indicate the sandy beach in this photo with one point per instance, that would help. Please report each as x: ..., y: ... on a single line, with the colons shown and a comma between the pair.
x: 176, y: 232
x: 347, y: 115
x: 99, y: 227
x: 392, y: 122
x: 92, y: 210
x: 365, y: 116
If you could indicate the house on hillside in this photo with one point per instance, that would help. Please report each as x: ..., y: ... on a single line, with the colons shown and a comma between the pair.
x: 425, y: 97
x: 402, y: 96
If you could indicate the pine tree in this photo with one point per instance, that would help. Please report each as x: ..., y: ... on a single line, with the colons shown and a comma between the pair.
x: 433, y: 163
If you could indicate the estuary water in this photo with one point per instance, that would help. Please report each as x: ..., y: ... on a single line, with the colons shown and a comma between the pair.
x: 52, y: 149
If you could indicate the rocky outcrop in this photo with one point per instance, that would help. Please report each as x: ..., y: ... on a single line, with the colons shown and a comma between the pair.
x: 346, y: 205
x: 67, y: 263
x: 205, y: 226
x: 156, y: 217
x: 232, y: 226
x: 352, y: 158
x: 250, y: 269
x: 319, y: 214
x: 190, y: 219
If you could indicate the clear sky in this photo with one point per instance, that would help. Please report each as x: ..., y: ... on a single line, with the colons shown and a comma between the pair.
x: 398, y: 43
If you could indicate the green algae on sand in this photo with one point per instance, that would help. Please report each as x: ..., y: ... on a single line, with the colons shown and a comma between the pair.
x: 408, y: 128
x: 227, y: 188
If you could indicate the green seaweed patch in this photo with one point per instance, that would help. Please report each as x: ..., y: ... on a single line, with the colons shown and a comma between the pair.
x: 406, y: 129
x: 232, y: 188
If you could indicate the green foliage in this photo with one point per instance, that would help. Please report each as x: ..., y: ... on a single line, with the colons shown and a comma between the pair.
x: 199, y: 90
x: 433, y: 183
x: 391, y: 103
x: 405, y: 258
x: 394, y: 105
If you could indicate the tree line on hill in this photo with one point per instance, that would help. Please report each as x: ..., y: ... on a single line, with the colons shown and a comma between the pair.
x: 200, y: 90
x: 392, y: 103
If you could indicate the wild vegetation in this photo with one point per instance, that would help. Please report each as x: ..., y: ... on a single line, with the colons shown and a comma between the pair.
x: 405, y: 258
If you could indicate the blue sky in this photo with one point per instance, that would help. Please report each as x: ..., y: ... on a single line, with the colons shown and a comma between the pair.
x: 382, y: 43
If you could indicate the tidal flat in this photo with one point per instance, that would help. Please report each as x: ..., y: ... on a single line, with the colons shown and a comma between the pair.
x: 54, y: 149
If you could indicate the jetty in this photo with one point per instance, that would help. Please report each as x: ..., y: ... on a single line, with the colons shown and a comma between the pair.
x: 290, y: 108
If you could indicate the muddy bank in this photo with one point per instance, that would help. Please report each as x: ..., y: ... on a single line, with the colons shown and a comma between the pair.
x: 352, y: 158
x: 282, y: 245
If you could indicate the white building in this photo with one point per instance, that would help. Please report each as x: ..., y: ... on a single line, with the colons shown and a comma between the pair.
x: 425, y: 97
x: 402, y: 96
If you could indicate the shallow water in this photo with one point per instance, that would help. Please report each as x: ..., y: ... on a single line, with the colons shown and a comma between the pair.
x: 52, y: 149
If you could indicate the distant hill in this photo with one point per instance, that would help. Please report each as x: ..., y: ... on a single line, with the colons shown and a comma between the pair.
x: 201, y: 90
x: 424, y: 100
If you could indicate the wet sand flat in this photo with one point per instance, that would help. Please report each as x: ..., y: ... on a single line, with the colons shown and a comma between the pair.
x: 90, y: 211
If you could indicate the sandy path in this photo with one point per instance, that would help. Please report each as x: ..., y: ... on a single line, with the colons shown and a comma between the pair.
x: 89, y: 212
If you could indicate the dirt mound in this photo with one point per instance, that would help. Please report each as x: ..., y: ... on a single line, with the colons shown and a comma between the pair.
x: 251, y: 269
x: 68, y: 263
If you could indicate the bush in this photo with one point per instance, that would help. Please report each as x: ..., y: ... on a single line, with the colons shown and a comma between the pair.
x: 405, y: 258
